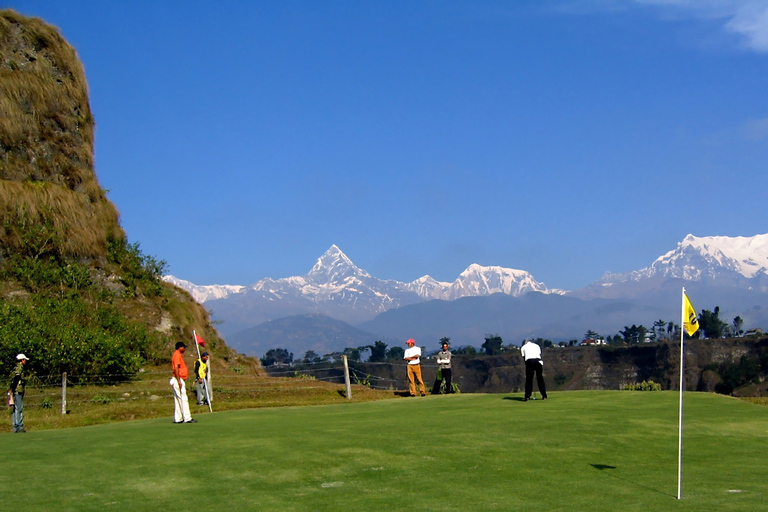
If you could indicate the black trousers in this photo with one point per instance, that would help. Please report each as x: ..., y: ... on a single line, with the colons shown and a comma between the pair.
x: 534, y: 366
x: 446, y: 374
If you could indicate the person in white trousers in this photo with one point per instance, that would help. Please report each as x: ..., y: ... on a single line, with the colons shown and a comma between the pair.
x: 181, y: 412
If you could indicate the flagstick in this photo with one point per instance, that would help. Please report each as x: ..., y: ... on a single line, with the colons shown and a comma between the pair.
x: 682, y: 370
x: 197, y: 345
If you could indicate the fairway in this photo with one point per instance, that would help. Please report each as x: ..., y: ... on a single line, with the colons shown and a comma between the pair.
x: 581, y: 450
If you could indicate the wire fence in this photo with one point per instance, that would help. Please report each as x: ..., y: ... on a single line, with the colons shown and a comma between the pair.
x: 74, y: 393
x: 386, y: 375
x: 54, y: 391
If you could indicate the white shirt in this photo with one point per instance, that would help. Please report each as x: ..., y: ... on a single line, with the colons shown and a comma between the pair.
x: 530, y: 351
x: 413, y: 351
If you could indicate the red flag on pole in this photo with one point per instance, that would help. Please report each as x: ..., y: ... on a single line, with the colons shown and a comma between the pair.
x: 199, y: 340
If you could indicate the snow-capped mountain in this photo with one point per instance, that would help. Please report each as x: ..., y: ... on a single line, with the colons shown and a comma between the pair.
x: 203, y: 293
x: 337, y: 288
x: 719, y: 267
x: 705, y: 258
x: 477, y: 280
x: 335, y: 281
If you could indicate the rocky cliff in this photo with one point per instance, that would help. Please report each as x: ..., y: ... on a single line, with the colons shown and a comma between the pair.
x: 73, y: 292
x: 730, y: 366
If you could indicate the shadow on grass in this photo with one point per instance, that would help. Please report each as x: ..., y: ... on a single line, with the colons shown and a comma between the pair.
x: 604, y: 467
x: 521, y: 399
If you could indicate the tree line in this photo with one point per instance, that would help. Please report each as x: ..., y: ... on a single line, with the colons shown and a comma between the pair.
x: 710, y: 326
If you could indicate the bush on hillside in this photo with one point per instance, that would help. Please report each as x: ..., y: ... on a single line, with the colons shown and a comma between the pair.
x: 141, y: 273
x: 75, y: 336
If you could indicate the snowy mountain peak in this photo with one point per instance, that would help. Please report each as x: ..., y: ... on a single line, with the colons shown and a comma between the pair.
x: 481, y: 280
x: 724, y: 258
x: 202, y: 293
x: 334, y: 267
x: 336, y: 286
x: 711, y: 255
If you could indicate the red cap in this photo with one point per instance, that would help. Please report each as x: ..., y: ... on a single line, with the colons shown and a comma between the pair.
x: 410, y: 341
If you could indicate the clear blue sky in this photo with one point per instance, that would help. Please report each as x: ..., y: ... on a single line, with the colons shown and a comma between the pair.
x: 240, y: 139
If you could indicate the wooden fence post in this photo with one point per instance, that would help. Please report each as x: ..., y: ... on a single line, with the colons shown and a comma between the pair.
x: 64, y: 393
x: 346, y: 377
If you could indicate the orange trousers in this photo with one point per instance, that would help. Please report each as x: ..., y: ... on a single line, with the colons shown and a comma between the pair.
x: 414, y: 373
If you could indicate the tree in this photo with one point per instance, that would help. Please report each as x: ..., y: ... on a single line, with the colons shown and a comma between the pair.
x: 492, y: 344
x: 634, y: 334
x: 310, y: 357
x: 673, y: 330
x: 658, y: 329
x: 542, y: 342
x: 467, y: 350
x: 738, y: 323
x: 445, y: 339
x: 710, y: 324
x: 277, y: 356
x: 352, y: 353
x: 395, y: 353
x: 591, y: 335
x: 333, y: 357
x: 378, y: 352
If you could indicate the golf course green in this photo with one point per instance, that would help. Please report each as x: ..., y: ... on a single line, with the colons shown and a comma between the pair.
x: 581, y: 450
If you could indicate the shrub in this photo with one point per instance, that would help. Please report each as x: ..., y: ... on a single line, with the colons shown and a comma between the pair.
x: 141, y: 274
x: 74, y: 335
x: 646, y: 385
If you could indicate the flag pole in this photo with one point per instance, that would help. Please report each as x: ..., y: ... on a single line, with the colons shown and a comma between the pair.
x: 197, y: 345
x: 682, y: 372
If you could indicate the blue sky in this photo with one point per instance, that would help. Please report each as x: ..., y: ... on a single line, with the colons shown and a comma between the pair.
x: 239, y: 139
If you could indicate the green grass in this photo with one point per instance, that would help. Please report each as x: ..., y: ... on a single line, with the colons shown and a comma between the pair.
x: 583, y: 450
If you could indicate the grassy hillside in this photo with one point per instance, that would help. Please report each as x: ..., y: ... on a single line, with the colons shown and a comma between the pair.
x: 75, y: 296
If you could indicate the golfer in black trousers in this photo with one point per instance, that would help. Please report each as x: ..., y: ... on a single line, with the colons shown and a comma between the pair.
x: 531, y: 353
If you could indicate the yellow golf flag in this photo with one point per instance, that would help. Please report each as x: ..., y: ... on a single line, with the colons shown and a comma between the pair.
x: 691, y: 322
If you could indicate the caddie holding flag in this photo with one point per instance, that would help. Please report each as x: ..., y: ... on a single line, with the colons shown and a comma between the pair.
x: 201, y: 374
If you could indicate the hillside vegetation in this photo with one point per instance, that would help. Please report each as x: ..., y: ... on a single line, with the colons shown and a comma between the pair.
x: 75, y: 295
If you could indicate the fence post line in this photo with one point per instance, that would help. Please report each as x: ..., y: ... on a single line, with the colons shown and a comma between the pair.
x: 346, y: 377
x: 64, y: 393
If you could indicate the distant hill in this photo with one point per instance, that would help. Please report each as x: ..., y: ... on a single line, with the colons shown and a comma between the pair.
x: 300, y: 333
x: 467, y: 321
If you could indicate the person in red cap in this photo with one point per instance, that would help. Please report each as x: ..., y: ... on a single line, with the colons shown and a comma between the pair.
x: 413, y: 356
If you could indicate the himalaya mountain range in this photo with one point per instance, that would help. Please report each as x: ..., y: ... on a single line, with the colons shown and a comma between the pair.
x: 729, y: 272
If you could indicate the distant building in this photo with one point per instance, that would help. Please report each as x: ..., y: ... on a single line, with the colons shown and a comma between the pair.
x: 754, y: 332
x: 592, y: 342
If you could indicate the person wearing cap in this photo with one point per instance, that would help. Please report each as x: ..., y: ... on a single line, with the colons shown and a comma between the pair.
x: 16, y: 394
x: 201, y: 374
x: 531, y: 353
x: 444, y: 371
x: 413, y: 356
x: 180, y: 373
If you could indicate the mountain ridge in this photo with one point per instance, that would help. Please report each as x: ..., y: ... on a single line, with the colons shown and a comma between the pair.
x: 336, y: 287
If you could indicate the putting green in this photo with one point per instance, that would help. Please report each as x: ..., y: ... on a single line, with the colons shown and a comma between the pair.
x: 583, y: 450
